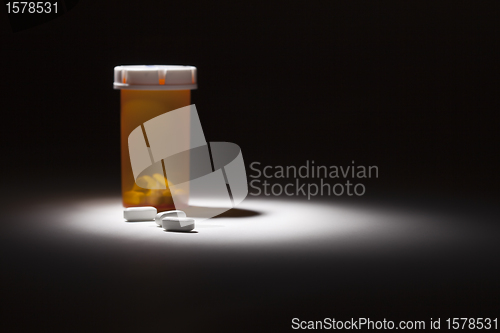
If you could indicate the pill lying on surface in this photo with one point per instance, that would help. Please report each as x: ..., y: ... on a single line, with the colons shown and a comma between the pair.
x: 170, y: 213
x: 135, y: 214
x: 177, y: 223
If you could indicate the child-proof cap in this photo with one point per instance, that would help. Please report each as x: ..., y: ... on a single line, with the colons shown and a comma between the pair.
x: 155, y: 77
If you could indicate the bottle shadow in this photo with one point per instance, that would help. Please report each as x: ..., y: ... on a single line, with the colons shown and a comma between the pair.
x: 181, y: 232
x: 215, y: 213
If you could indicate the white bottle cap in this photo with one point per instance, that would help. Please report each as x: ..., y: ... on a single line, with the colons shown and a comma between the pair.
x: 155, y: 77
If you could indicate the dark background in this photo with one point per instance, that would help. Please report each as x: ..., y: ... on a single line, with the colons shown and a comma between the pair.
x: 409, y: 86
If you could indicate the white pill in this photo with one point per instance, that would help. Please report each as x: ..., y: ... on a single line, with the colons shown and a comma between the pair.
x: 135, y: 214
x: 170, y: 213
x: 177, y: 223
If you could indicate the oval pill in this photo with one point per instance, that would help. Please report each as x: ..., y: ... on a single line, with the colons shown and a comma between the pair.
x: 169, y: 213
x: 135, y: 214
x: 177, y: 223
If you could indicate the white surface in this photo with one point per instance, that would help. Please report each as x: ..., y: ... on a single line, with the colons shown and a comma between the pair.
x: 294, y: 225
x: 297, y: 258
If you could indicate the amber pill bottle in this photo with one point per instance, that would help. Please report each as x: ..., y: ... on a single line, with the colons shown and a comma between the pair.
x: 147, y: 92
